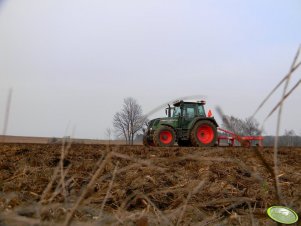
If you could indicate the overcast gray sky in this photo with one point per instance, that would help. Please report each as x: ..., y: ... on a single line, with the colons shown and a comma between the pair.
x: 73, y: 62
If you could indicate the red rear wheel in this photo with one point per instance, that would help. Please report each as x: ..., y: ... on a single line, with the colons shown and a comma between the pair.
x: 205, y: 134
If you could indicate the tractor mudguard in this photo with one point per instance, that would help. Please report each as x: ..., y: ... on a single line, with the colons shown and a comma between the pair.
x: 211, y: 119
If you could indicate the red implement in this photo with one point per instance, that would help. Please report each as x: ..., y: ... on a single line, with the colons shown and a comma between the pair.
x: 245, y: 141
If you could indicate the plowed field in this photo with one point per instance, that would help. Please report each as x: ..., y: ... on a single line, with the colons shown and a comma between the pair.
x: 45, y: 184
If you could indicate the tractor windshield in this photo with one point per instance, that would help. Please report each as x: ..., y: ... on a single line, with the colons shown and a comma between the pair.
x: 176, y: 112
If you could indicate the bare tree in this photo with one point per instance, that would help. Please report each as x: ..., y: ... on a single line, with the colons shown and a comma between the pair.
x: 251, y: 127
x: 247, y: 127
x: 129, y: 120
x: 108, y: 134
x: 289, y: 138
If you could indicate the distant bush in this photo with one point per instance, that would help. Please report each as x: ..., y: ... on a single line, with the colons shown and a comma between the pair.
x: 54, y: 140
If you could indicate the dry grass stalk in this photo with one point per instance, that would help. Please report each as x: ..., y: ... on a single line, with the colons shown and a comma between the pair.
x: 59, y: 188
x: 198, y: 157
x: 282, y: 100
x: 251, y: 214
x: 18, y: 220
x: 122, y: 170
x: 58, y: 169
x: 279, y: 106
x: 294, y: 67
x: 64, y: 152
x: 193, y: 192
x: 278, y: 189
x: 122, y: 214
x: 7, y: 110
x: 161, y: 217
x: 108, y: 191
x: 102, y: 162
x: 140, y: 161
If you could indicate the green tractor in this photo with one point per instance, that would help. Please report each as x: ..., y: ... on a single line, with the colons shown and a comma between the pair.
x: 187, y: 124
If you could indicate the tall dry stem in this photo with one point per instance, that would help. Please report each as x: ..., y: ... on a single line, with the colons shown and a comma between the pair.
x: 275, y: 158
x: 102, y: 162
x: 293, y: 69
x: 194, y: 191
x: 108, y: 191
x: 58, y: 169
x: 65, y: 147
x: 7, y: 110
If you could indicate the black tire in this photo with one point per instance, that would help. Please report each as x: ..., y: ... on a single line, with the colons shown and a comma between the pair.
x: 246, y: 143
x: 145, y: 142
x: 184, y: 143
x: 203, y: 134
x: 164, y: 137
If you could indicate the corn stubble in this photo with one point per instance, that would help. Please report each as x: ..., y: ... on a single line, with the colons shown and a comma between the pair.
x: 136, y: 185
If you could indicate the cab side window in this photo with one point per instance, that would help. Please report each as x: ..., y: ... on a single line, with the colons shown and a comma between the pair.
x: 176, y: 112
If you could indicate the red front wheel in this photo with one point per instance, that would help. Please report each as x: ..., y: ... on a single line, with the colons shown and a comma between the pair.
x: 164, y: 137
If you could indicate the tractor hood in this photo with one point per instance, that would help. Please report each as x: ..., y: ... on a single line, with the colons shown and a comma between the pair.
x: 167, y: 120
x: 162, y: 121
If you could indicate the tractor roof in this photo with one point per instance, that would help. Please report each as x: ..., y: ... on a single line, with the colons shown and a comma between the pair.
x: 178, y: 102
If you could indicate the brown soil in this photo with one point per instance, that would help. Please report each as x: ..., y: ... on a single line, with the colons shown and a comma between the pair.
x: 136, y: 185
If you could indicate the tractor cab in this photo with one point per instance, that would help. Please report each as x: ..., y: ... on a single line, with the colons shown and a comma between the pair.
x: 186, y: 109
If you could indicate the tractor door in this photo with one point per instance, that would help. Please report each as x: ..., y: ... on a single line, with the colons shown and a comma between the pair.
x: 188, y: 114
